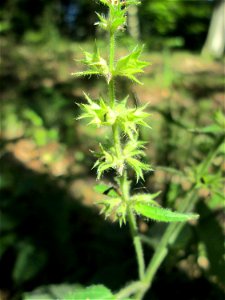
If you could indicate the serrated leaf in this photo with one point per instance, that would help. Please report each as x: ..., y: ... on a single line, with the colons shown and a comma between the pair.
x: 93, y: 292
x: 161, y: 214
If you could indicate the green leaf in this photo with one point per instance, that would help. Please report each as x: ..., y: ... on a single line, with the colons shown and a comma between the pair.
x: 105, y: 189
x: 162, y: 214
x: 130, y: 65
x: 93, y: 292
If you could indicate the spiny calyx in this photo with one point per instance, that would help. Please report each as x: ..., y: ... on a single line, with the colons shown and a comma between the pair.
x: 141, y: 204
x: 101, y: 113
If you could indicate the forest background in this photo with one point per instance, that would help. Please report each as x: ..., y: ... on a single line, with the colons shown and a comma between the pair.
x: 52, y: 237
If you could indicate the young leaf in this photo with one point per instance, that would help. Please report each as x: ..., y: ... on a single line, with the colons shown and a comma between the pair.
x: 162, y: 214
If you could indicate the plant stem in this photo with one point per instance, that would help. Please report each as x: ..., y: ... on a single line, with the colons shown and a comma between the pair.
x: 124, y: 184
x: 129, y: 290
x: 112, y: 50
x: 111, y: 68
x: 137, y: 245
x: 116, y: 139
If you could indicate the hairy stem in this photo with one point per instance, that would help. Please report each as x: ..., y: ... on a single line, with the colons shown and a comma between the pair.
x: 137, y: 245
x: 116, y: 139
x: 124, y: 184
x: 111, y: 68
x: 124, y: 187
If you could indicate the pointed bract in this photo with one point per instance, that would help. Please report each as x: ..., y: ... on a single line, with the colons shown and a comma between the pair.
x: 130, y: 65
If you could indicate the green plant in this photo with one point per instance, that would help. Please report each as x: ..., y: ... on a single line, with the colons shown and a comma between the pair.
x: 123, y: 152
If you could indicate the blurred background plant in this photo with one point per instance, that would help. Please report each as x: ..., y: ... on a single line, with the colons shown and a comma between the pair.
x: 50, y: 234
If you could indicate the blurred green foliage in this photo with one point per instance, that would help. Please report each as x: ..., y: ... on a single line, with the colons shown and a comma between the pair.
x: 159, y: 20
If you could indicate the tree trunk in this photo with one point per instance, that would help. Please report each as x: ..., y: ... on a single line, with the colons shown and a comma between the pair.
x: 215, y: 41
